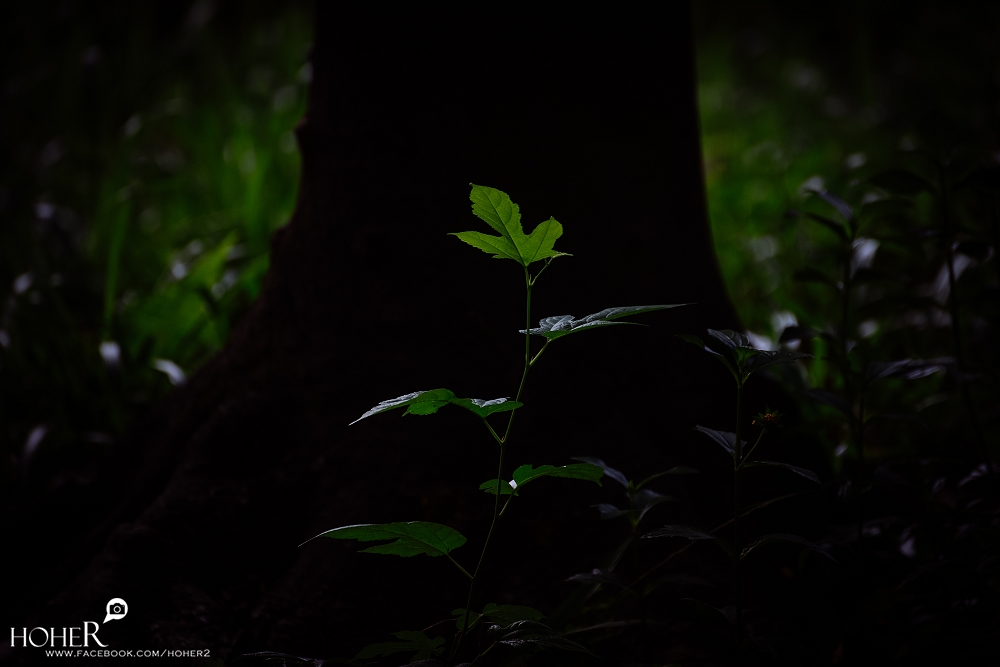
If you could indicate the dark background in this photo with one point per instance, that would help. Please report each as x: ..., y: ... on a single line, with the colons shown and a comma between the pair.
x: 189, y: 503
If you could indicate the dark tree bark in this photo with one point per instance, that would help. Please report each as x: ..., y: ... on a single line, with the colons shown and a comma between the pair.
x: 589, y: 117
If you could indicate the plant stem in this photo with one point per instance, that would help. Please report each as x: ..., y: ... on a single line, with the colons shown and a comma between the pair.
x: 737, y: 463
x: 497, y: 511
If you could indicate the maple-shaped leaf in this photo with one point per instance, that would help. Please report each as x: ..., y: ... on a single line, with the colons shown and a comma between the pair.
x: 499, y: 212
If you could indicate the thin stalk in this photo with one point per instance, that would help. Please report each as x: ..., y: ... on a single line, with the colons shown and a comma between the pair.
x: 737, y: 462
x: 497, y: 511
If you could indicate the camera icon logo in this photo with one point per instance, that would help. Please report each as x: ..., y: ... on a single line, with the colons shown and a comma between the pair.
x: 117, y: 608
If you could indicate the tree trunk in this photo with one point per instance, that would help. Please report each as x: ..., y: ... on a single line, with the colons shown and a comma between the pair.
x: 587, y: 116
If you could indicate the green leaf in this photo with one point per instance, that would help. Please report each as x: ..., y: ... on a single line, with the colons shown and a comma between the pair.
x: 504, y: 216
x: 527, y: 473
x: 783, y: 537
x: 420, y: 644
x: 532, y: 633
x: 429, y: 402
x: 687, y: 532
x: 731, y: 339
x: 408, y: 539
x: 564, y: 325
x: 484, y: 408
x: 808, y: 474
x: 724, y: 439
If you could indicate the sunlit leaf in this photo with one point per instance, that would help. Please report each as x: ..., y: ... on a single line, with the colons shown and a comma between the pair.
x: 724, y: 439
x: 499, y: 212
x: 532, y: 633
x: 429, y: 402
x: 527, y: 473
x: 616, y: 475
x: 686, y: 532
x: 564, y: 325
x: 411, y: 641
x: 808, y: 474
x: 783, y: 537
x: 408, y: 539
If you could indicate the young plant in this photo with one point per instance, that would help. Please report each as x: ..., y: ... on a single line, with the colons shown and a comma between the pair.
x: 734, y: 351
x: 511, y: 625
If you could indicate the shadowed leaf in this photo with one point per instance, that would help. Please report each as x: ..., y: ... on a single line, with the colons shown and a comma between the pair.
x: 532, y: 633
x: 724, y: 439
x: 808, y: 474
x: 616, y: 475
x: 834, y: 401
x: 418, y: 643
x: 777, y: 538
x: 408, y: 539
x: 676, y: 470
x: 500, y: 614
x: 836, y: 202
x: 765, y: 358
x: 564, y: 325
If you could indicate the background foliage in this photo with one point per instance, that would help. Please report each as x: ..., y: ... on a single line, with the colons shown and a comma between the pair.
x: 148, y: 154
